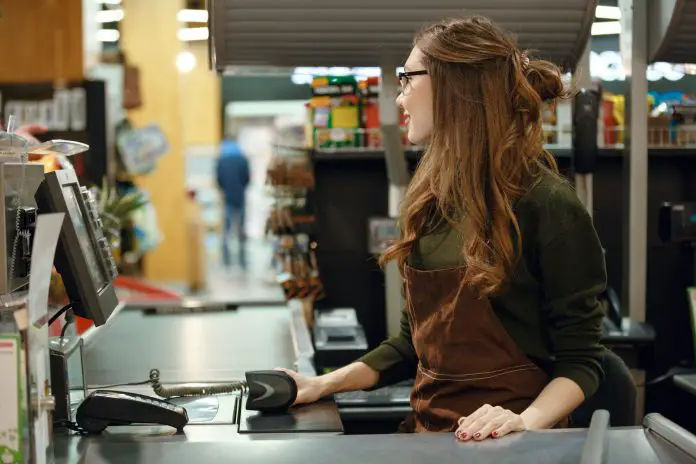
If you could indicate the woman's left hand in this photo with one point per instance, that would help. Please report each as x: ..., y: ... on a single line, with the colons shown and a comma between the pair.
x: 489, y: 421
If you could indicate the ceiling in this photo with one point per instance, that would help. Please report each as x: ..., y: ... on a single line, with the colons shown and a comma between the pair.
x: 672, y: 26
x: 356, y: 33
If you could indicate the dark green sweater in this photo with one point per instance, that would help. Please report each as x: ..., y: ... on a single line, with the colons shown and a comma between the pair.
x: 550, y: 307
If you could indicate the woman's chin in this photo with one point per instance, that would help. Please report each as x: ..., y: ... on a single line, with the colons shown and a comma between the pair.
x: 416, y: 139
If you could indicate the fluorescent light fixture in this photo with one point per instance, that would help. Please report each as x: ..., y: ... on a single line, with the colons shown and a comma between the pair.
x: 193, y: 33
x: 607, y: 12
x: 606, y: 28
x: 192, y: 16
x: 110, y: 16
x: 108, y: 35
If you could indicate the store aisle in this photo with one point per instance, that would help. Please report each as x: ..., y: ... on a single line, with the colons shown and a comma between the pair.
x: 254, y: 284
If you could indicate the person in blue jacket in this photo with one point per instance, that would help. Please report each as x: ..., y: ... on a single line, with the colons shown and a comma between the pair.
x: 233, y: 179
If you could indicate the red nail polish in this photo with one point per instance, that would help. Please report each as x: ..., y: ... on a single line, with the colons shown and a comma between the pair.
x: 495, y: 434
x: 464, y: 436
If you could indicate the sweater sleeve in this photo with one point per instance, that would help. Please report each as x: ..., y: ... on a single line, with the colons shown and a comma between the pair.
x: 395, y: 359
x: 574, y: 276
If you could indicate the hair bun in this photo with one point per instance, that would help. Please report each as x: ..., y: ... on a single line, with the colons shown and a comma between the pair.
x: 545, y: 78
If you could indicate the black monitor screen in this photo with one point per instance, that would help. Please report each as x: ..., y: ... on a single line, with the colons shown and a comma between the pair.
x: 83, y: 256
x: 84, y: 236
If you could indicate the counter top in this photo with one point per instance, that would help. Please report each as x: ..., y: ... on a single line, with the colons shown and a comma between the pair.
x: 630, y: 445
x: 220, y: 347
x: 686, y: 382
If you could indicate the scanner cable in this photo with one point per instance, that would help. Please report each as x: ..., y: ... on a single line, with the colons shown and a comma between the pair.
x: 172, y: 392
x: 205, y: 390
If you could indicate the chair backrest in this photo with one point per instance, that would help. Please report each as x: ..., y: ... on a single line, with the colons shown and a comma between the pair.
x: 616, y: 394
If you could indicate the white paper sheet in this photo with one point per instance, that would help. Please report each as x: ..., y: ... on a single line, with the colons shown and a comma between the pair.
x: 48, y: 228
x: 10, y: 428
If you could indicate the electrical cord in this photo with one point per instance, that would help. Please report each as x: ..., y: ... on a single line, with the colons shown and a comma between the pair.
x: 55, y: 317
x: 70, y: 426
x: 69, y: 319
x: 205, y: 390
x: 164, y: 392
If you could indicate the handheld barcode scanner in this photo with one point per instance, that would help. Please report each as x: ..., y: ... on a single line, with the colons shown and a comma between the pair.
x: 270, y: 391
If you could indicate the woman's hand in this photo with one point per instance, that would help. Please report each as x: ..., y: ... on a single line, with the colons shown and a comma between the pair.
x: 489, y: 421
x: 309, y: 389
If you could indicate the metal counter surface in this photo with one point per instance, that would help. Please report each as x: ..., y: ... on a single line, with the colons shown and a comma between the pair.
x: 631, y: 445
x: 200, y: 347
x: 686, y: 382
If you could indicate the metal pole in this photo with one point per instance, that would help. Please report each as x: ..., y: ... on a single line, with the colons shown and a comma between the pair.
x: 634, y: 47
x: 397, y: 173
x: 583, y: 80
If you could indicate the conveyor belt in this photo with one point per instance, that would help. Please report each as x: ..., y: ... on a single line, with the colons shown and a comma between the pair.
x: 206, y: 347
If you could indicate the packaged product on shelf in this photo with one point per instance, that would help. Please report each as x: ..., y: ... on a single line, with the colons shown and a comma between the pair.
x: 309, y: 125
x: 335, y: 111
x: 683, y: 119
x: 295, y: 261
x: 549, y: 119
x: 370, y: 113
x: 613, y: 118
x: 345, y: 122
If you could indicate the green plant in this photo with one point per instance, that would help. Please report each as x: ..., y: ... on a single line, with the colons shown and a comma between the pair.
x: 116, y: 209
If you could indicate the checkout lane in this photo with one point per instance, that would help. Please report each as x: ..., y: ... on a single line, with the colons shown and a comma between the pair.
x: 198, y: 348
x: 220, y: 347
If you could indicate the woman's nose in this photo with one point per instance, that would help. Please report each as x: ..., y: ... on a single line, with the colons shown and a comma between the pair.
x: 400, y: 100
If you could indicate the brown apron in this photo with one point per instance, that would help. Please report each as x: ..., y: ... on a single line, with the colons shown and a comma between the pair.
x: 466, y: 357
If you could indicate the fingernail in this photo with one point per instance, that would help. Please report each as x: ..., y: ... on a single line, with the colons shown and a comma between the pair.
x: 464, y: 436
x: 477, y: 436
x: 495, y: 434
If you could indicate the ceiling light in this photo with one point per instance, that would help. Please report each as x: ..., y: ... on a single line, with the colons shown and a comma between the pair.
x: 193, y: 33
x: 606, y: 28
x: 108, y: 2
x: 192, y: 16
x: 109, y: 16
x: 607, y: 12
x: 185, y: 61
x: 108, y: 35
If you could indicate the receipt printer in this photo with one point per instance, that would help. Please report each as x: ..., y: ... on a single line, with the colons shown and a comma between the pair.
x: 338, y: 338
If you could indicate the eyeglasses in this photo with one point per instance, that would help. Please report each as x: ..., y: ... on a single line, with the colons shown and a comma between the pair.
x: 405, y: 78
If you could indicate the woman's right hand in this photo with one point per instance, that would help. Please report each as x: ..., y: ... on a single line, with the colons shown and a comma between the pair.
x: 309, y: 389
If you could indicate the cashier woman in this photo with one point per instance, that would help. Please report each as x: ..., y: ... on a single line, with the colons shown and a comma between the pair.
x: 501, y: 263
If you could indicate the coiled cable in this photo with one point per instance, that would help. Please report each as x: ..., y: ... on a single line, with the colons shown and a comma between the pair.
x: 205, y: 390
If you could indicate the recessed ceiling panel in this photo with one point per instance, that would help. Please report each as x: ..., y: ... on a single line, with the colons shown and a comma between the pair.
x: 376, y: 32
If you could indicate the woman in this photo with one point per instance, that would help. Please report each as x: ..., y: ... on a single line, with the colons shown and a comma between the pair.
x: 501, y: 263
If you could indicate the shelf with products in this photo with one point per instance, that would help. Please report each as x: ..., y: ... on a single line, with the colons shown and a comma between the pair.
x: 290, y: 225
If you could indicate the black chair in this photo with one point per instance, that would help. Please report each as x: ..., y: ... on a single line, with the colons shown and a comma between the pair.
x: 616, y: 394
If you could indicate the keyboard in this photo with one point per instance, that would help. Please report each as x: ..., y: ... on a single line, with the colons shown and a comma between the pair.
x: 394, y: 395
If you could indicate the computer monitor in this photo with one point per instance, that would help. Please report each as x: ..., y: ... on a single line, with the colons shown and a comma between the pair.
x: 83, y: 256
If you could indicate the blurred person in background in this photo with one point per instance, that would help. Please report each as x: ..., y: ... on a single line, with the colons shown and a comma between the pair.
x: 233, y: 179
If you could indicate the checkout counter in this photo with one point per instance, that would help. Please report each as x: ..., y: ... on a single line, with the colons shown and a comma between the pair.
x: 217, y: 347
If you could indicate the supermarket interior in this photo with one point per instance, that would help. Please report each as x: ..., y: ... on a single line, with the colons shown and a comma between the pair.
x: 220, y: 218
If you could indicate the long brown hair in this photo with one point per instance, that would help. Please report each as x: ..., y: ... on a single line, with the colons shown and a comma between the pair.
x: 486, y: 146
